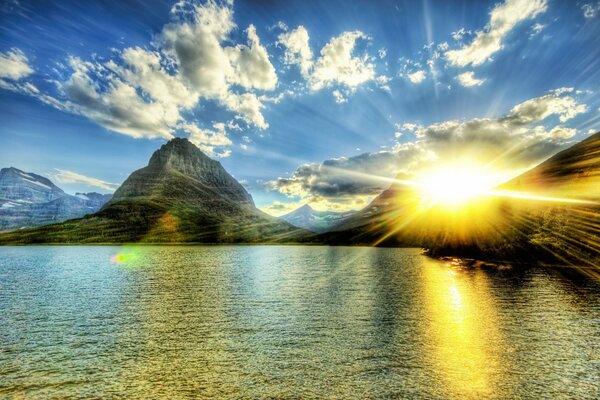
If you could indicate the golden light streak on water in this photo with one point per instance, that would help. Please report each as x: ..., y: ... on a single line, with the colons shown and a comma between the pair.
x: 463, y: 324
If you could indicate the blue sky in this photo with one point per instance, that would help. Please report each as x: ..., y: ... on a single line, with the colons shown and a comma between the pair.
x: 301, y: 101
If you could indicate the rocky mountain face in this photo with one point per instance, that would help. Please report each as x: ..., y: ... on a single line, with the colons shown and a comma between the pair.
x: 178, y: 159
x: 315, y: 221
x: 180, y: 196
x: 28, y: 200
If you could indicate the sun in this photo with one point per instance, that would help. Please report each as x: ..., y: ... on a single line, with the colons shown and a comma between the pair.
x: 456, y: 184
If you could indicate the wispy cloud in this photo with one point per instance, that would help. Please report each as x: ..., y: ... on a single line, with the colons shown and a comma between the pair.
x: 503, y: 18
x: 64, y: 176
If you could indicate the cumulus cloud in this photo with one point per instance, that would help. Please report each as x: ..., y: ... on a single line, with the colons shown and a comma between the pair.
x: 64, y: 176
x: 407, y: 127
x: 460, y: 34
x: 416, y: 77
x: 467, y: 79
x: 146, y: 93
x: 117, y: 105
x: 14, y: 65
x: 526, y: 135
x: 250, y: 63
x: 503, y: 18
x: 336, y: 65
x: 559, y: 102
x: 197, y: 46
x: 297, y: 49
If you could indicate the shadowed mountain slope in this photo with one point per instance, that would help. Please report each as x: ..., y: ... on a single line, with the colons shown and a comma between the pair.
x: 536, y: 222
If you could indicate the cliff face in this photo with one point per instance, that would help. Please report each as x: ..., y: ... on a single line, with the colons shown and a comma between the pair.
x: 181, y: 159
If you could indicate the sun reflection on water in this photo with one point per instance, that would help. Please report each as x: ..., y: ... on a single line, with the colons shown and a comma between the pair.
x: 464, y: 327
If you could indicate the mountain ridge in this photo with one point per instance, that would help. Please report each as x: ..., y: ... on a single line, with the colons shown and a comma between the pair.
x: 28, y: 199
x: 180, y: 196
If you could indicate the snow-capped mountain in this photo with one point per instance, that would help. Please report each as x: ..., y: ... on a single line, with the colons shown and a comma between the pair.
x: 28, y: 199
x: 316, y: 221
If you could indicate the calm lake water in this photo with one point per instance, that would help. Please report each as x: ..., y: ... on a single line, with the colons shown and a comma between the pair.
x: 289, y: 322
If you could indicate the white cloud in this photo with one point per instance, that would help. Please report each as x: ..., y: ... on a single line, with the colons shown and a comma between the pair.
x: 208, y: 139
x: 467, y: 79
x: 251, y: 67
x: 406, y: 127
x: 555, y: 102
x: 14, y: 65
x: 460, y: 34
x: 503, y: 18
x: 590, y: 10
x: 211, y: 68
x: 536, y: 29
x: 416, y: 77
x: 145, y: 93
x: 64, y: 176
x: 297, y: 49
x: 339, y: 97
x: 117, y: 106
x: 248, y: 106
x: 336, y: 64
x: 143, y: 69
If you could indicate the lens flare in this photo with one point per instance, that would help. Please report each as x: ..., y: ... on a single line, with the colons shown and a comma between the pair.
x: 126, y: 257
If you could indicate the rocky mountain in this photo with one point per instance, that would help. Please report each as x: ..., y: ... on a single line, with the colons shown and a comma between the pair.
x: 180, y: 196
x: 550, y: 214
x: 315, y: 221
x: 28, y: 199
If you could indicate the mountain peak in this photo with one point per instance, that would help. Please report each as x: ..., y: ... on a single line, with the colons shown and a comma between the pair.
x: 305, y: 207
x: 18, y: 184
x: 177, y: 151
x: 177, y: 167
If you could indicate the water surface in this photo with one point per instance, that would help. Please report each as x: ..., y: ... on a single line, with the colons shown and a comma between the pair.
x: 289, y: 322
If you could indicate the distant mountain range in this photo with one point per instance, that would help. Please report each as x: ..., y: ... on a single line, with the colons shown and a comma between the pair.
x: 315, y: 221
x: 28, y: 199
x: 184, y: 196
x: 180, y: 196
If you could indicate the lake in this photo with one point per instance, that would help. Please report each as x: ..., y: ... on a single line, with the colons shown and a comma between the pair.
x: 289, y: 322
